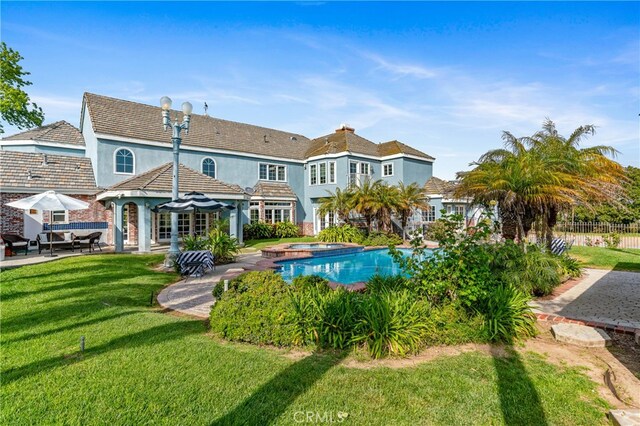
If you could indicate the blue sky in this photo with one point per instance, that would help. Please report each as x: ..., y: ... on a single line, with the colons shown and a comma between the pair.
x: 446, y: 77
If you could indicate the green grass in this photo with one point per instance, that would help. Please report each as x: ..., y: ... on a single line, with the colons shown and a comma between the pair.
x: 142, y: 366
x: 608, y: 258
x: 260, y: 244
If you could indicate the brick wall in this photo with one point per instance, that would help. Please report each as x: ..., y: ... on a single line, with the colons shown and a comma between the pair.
x: 307, y: 228
x: 12, y: 220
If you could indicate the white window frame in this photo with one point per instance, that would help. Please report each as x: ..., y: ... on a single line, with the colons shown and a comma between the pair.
x: 269, y: 206
x: 277, y: 166
x: 326, y: 171
x: 358, y: 175
x: 254, y: 206
x: 388, y: 164
x: 332, y: 174
x: 64, y: 212
x: 429, y: 215
x: 115, y: 162
x: 313, y: 174
x: 215, y: 167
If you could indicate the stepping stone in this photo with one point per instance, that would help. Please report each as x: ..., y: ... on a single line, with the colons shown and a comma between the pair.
x: 625, y: 417
x: 580, y: 335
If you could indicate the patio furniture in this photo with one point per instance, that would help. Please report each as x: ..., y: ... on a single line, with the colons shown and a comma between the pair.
x: 91, y: 240
x: 194, y: 263
x: 51, y: 240
x: 15, y: 242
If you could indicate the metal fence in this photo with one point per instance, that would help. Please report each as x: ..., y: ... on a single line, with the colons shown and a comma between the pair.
x: 597, y: 234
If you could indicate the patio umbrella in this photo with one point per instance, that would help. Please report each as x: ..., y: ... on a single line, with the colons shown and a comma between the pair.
x: 192, y: 202
x: 51, y: 201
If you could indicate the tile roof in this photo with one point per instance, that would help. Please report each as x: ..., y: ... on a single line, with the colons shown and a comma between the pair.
x: 60, y: 131
x: 341, y: 141
x: 273, y: 189
x: 160, y: 179
x: 62, y: 172
x: 122, y: 118
x: 438, y: 186
x: 397, y: 147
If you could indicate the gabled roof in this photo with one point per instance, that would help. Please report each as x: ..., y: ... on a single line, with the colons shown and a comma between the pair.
x: 438, y: 186
x: 117, y: 117
x: 343, y: 140
x: 273, y: 189
x: 160, y: 180
x: 397, y: 147
x: 61, y: 172
x: 60, y: 132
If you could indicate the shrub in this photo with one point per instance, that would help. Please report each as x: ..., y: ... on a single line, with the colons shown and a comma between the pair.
x: 450, y: 324
x: 256, y: 309
x: 311, y: 282
x: 286, y: 230
x: 258, y: 231
x: 223, y: 246
x: 341, y: 234
x: 382, y: 239
x: 435, y: 231
x: 391, y: 323
x: 508, y: 315
x: 218, y: 290
x: 570, y: 266
x: 194, y: 242
x: 611, y: 240
x: 534, y: 271
x: 385, y: 283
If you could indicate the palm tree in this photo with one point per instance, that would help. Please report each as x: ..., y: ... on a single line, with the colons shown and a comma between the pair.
x: 339, y: 202
x: 537, y: 177
x: 411, y: 198
x: 387, y: 202
x: 365, y: 201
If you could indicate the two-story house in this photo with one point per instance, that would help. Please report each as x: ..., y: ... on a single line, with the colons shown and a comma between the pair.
x: 267, y: 174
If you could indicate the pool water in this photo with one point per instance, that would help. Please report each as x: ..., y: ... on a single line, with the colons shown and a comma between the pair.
x: 345, y: 268
x: 315, y: 246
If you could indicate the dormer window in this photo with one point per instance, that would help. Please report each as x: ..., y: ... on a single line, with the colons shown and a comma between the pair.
x: 124, y: 161
x: 209, y: 167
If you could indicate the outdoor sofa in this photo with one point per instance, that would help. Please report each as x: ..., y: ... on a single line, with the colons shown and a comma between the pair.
x: 16, y: 242
x: 58, y: 241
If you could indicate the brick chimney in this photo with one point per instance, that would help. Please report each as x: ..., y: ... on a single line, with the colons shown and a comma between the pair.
x: 345, y: 128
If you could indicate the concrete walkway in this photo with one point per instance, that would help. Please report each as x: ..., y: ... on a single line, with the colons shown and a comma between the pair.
x: 608, y: 297
x: 194, y: 297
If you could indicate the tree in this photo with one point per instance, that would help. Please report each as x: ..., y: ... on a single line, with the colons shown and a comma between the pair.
x: 535, y: 178
x: 15, y: 106
x: 411, y: 198
x: 387, y: 201
x: 339, y: 202
x: 365, y: 201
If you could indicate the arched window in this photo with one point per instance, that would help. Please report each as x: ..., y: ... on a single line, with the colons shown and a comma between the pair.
x: 124, y: 161
x: 209, y: 167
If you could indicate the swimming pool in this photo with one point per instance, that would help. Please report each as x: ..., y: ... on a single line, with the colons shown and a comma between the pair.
x: 316, y: 246
x: 345, y: 268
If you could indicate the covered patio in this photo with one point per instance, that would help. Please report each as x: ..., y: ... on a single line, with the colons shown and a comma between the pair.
x: 132, y: 201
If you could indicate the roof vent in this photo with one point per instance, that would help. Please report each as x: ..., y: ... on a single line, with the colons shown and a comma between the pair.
x: 29, y: 175
x: 344, y: 127
x: 293, y: 138
x: 44, y: 160
x: 265, y: 139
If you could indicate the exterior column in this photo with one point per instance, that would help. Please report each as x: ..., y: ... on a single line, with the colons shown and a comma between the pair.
x: 233, y: 223
x: 239, y: 226
x: 118, y: 242
x: 144, y: 227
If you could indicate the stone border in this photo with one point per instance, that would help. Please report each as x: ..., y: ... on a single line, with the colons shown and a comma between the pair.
x: 608, y: 327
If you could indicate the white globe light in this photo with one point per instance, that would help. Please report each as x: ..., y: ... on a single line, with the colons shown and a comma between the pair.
x: 165, y: 102
x: 187, y: 108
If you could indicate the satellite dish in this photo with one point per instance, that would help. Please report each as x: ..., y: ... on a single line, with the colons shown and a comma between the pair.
x: 249, y: 190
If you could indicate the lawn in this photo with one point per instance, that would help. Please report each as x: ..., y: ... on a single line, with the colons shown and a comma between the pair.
x: 142, y: 366
x: 260, y: 244
x: 608, y: 258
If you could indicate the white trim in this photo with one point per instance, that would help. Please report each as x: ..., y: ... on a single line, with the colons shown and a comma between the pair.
x: 261, y: 198
x: 66, y: 217
x: 286, y: 172
x: 335, y: 172
x: 115, y: 164
x: 162, y: 194
x: 27, y: 142
x: 215, y: 167
x: 388, y: 163
x: 259, y: 156
x: 315, y: 165
x: 184, y: 147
